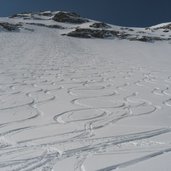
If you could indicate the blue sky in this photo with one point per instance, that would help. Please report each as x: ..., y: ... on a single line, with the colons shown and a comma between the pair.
x: 120, y: 12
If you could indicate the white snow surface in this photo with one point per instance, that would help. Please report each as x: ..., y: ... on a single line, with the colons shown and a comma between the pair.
x: 161, y: 25
x: 72, y: 104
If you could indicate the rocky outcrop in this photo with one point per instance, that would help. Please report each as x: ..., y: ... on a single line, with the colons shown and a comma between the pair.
x: 97, y: 33
x: 147, y: 38
x: 48, y: 26
x: 93, y: 33
x: 22, y: 15
x: 69, y: 17
x: 9, y: 27
x: 34, y: 16
x: 100, y: 25
x: 167, y: 26
x: 46, y: 13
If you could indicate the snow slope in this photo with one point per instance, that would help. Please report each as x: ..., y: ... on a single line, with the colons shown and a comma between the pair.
x: 74, y: 104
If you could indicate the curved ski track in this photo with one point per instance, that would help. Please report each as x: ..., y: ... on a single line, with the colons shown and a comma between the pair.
x: 97, y: 94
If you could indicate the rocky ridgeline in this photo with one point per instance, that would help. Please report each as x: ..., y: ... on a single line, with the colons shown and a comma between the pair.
x: 33, y: 16
x: 104, y: 33
x: 64, y: 17
x: 76, y: 27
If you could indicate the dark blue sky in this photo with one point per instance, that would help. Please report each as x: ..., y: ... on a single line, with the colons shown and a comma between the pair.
x: 119, y: 12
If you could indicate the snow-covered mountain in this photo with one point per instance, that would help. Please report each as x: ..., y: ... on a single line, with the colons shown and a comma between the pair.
x: 77, y: 26
x: 83, y: 95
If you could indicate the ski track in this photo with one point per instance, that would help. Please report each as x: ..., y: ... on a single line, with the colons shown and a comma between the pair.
x: 99, y: 94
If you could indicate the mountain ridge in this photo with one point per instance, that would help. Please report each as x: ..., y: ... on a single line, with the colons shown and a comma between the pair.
x: 80, y: 27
